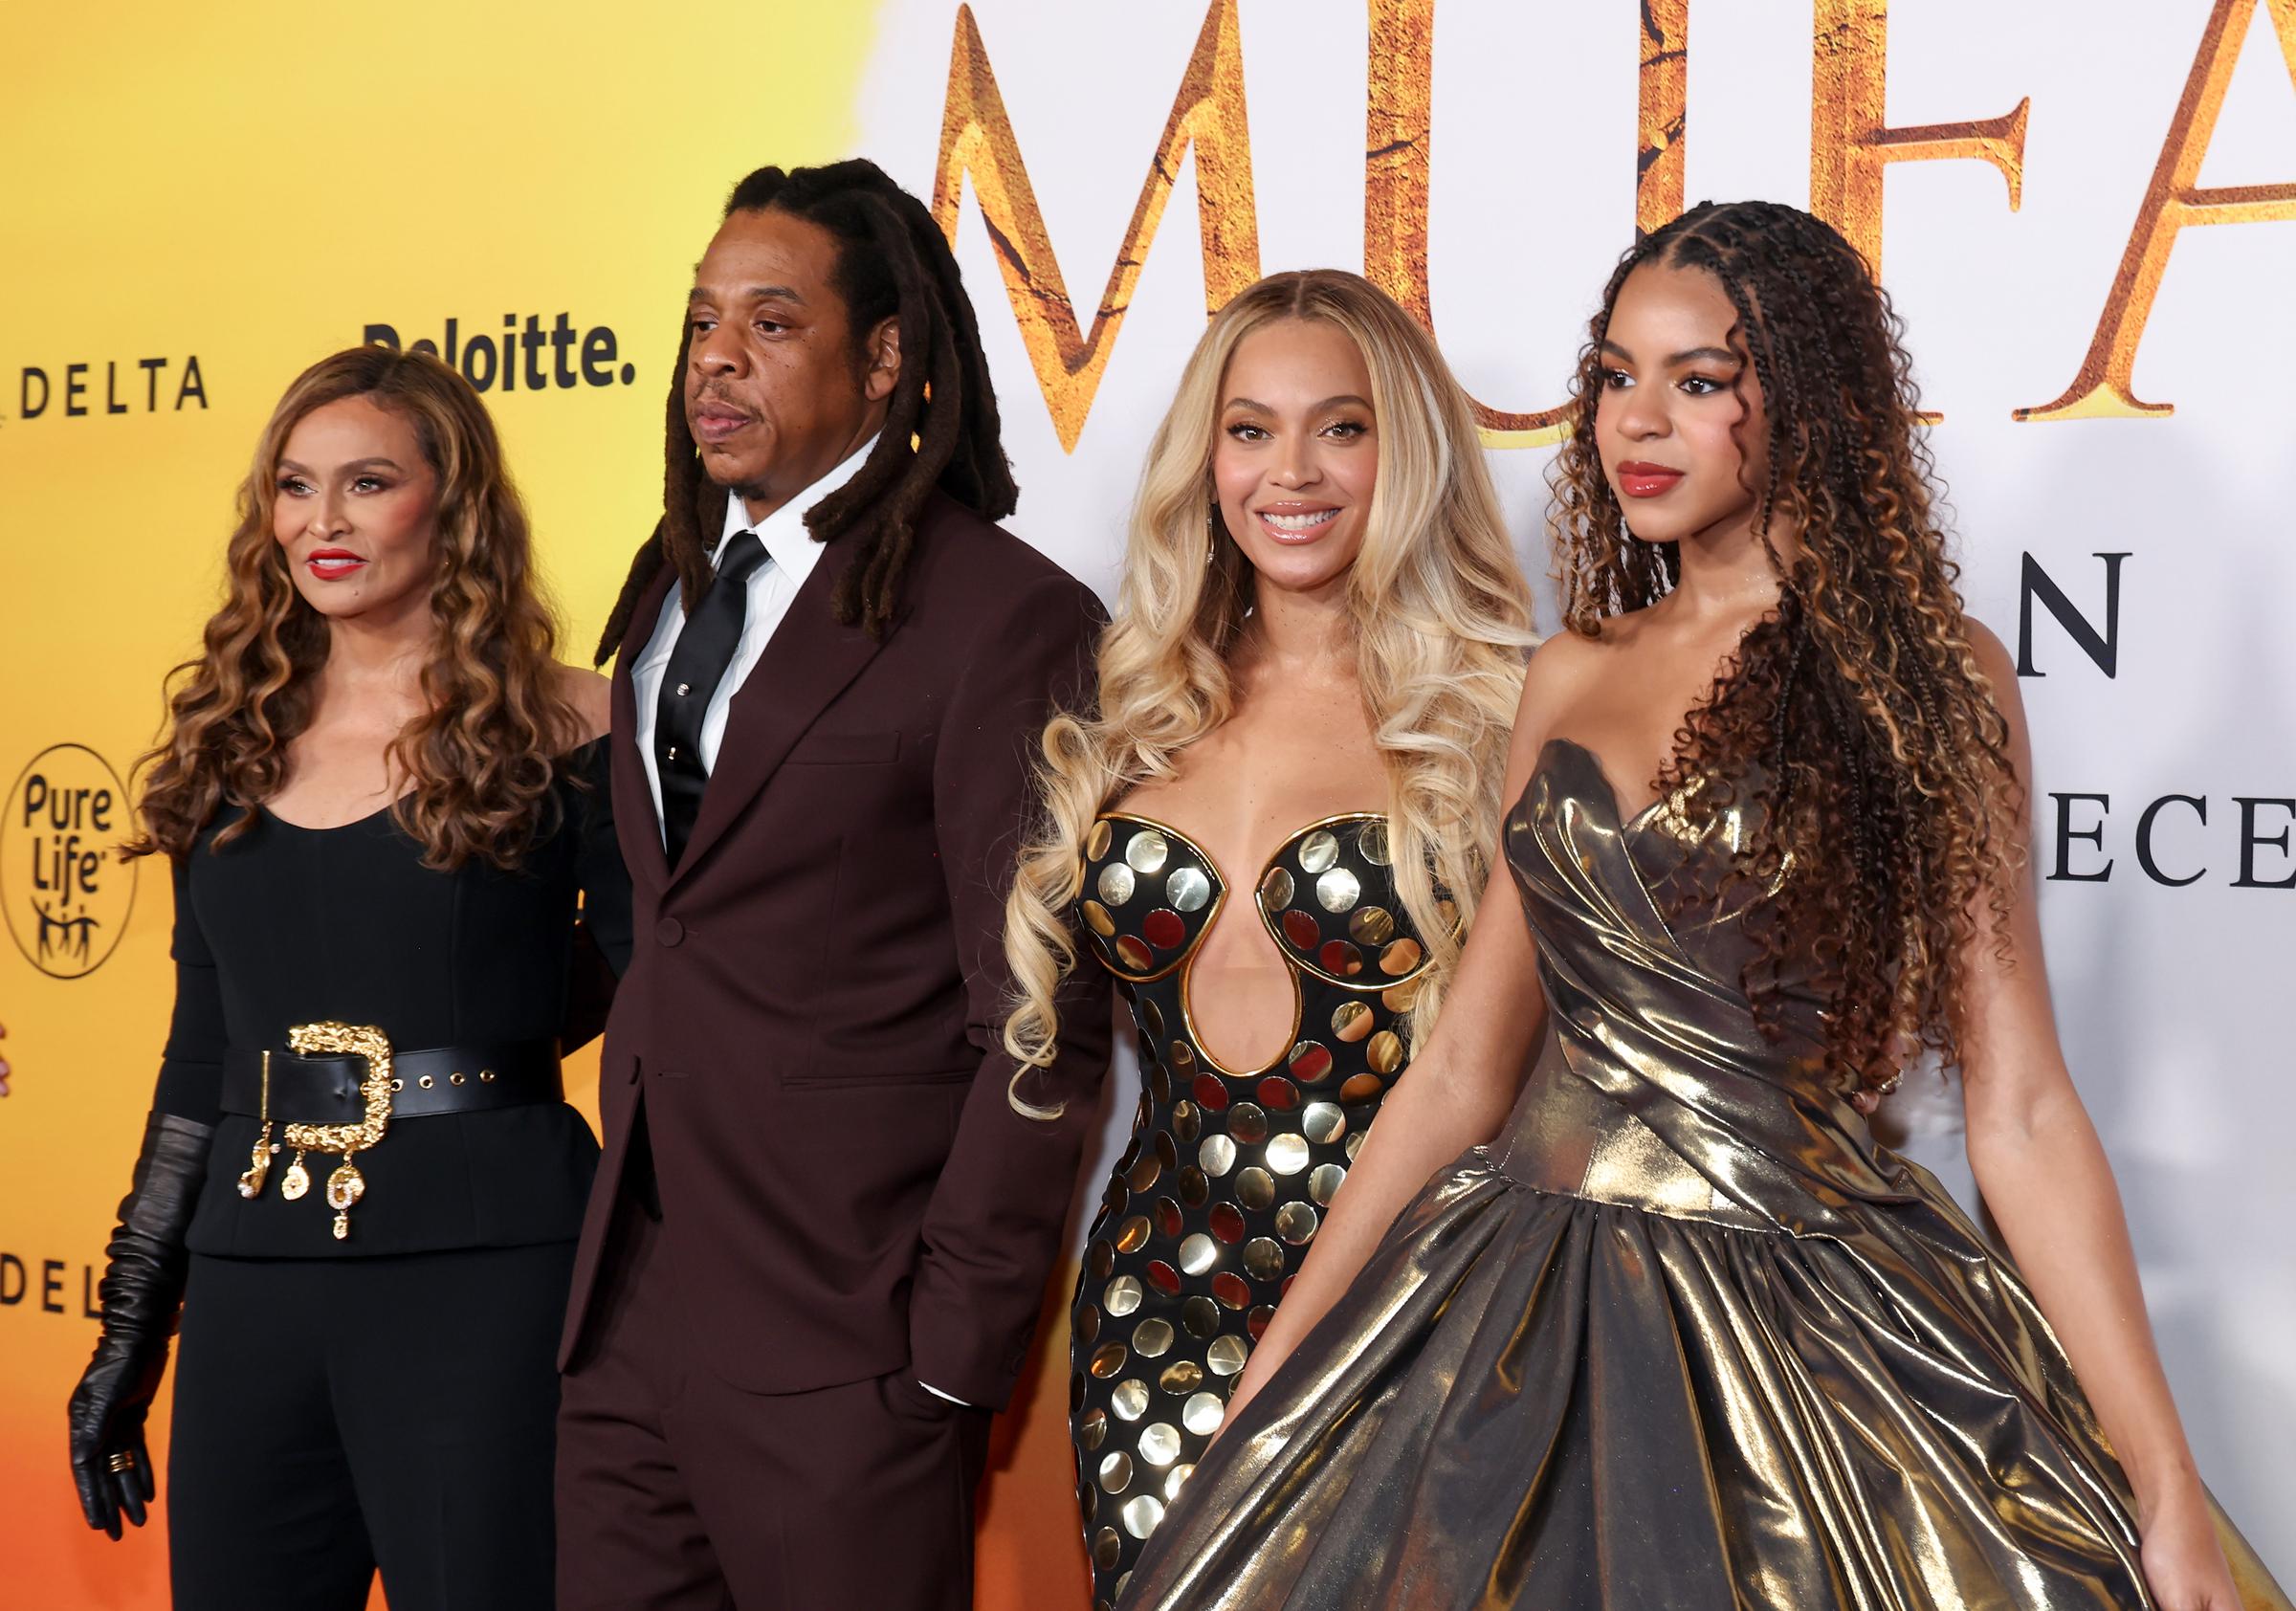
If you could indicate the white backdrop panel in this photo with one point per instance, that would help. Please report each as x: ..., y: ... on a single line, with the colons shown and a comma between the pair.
x: 2171, y: 999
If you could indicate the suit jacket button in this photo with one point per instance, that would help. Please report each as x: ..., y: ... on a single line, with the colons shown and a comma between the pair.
x: 669, y: 931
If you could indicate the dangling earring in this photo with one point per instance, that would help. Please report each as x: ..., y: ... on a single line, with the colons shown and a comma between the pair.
x: 1214, y: 530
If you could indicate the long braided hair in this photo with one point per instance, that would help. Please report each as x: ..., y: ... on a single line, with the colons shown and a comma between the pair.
x: 1890, y: 794
x: 941, y: 424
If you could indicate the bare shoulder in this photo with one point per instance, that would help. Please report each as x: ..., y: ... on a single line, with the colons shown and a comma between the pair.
x: 1561, y: 664
x: 1560, y: 667
x: 1999, y: 670
x: 1992, y: 654
x: 590, y: 694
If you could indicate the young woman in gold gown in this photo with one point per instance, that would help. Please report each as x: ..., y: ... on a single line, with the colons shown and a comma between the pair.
x: 1662, y: 1325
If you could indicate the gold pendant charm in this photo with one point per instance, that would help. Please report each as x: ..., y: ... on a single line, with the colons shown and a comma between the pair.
x: 344, y: 1187
x: 259, y: 1166
x: 297, y: 1181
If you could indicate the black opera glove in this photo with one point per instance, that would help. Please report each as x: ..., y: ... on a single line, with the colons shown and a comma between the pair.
x: 141, y: 1287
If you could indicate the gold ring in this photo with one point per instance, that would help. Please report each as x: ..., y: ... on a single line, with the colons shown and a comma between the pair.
x: 123, y: 1461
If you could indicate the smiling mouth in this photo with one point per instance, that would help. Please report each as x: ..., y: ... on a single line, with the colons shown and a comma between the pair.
x: 330, y: 565
x: 1295, y: 525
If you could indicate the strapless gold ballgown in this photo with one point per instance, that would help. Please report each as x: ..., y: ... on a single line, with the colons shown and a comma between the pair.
x: 1683, y: 1337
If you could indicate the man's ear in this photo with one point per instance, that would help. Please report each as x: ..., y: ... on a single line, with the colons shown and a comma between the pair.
x: 882, y: 354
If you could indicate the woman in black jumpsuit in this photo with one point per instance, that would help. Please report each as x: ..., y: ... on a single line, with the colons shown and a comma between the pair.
x: 366, y: 1377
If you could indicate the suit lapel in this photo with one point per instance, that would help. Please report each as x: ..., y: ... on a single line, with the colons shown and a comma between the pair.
x: 639, y: 825
x: 808, y: 663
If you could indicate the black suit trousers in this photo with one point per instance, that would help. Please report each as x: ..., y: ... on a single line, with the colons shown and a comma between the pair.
x: 334, y: 1417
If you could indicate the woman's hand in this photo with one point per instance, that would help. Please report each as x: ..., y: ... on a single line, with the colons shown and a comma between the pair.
x: 2184, y: 1565
x: 141, y: 1290
x: 111, y: 1465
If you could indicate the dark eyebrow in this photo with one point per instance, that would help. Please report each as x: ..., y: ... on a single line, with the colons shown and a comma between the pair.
x: 758, y: 294
x: 376, y: 461
x: 1674, y: 361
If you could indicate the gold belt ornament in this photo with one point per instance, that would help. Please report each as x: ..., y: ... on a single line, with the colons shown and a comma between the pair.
x: 346, y: 1185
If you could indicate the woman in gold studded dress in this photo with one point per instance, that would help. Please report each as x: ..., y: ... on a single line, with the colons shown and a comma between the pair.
x: 1270, y: 833
x: 1662, y: 1325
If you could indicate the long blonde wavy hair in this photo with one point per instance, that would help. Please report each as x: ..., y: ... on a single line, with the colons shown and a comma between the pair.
x: 1442, y: 621
x: 482, y: 761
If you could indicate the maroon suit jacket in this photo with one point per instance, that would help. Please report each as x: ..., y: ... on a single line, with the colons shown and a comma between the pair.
x: 812, y: 1010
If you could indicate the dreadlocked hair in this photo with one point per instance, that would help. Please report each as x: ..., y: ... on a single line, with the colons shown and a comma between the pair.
x: 940, y: 429
x: 1856, y: 708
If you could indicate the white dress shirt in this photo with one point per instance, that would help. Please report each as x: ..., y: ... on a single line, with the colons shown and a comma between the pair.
x: 791, y: 556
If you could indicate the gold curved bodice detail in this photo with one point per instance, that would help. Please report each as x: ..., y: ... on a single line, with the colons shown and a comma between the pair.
x: 1327, y: 899
x: 1654, y: 1087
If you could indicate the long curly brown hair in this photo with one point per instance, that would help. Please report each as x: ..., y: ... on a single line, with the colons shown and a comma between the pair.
x: 1856, y: 708
x: 480, y: 763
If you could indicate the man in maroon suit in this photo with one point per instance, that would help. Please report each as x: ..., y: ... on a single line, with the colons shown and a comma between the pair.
x: 823, y: 1223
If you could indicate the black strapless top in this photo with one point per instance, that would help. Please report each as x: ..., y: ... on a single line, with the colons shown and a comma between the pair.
x: 289, y: 925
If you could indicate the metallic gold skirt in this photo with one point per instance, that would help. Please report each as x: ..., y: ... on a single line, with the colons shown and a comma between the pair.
x: 1531, y: 1398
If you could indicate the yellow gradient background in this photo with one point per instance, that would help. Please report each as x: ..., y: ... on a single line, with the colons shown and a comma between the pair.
x: 252, y: 186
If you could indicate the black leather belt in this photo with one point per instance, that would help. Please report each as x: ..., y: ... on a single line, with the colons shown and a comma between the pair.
x: 452, y: 1079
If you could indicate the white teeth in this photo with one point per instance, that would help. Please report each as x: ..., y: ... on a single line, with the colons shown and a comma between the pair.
x: 1299, y: 522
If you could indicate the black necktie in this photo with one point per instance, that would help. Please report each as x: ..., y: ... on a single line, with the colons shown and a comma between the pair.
x: 705, y: 648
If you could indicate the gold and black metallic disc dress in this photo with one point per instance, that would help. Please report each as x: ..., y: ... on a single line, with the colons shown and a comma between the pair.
x: 1212, y: 1206
x: 1683, y: 1337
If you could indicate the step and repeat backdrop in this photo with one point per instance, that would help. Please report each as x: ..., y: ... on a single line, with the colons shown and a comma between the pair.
x: 2087, y: 214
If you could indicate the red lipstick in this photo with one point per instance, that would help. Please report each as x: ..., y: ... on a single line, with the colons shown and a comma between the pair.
x: 1637, y: 479
x: 332, y: 564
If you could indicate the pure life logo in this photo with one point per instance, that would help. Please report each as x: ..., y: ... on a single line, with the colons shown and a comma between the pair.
x: 67, y: 894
